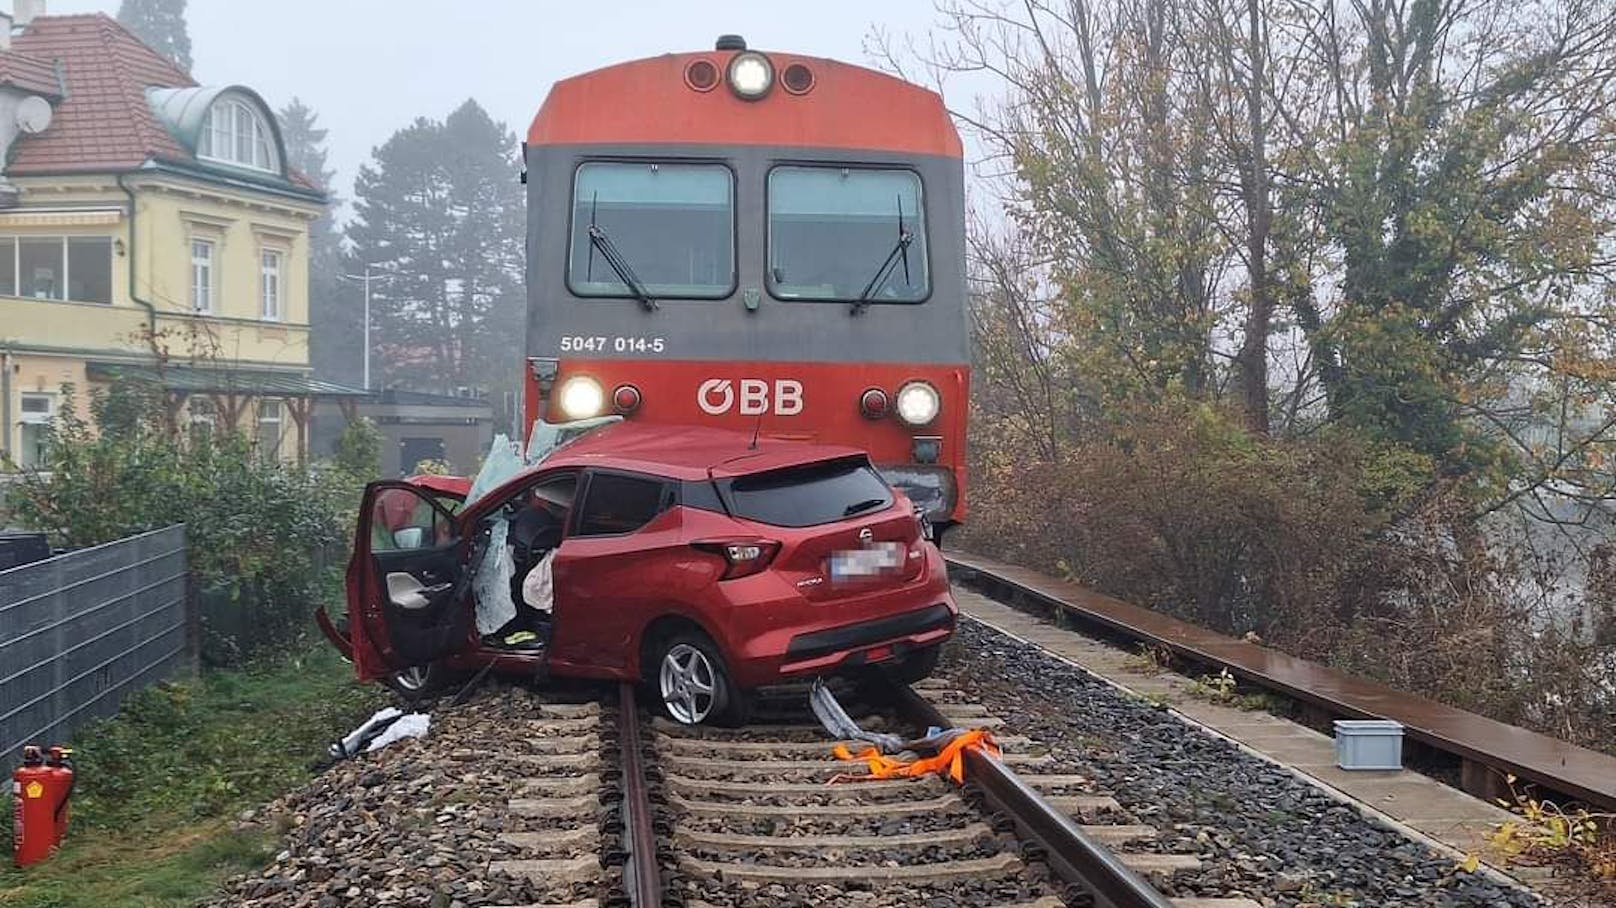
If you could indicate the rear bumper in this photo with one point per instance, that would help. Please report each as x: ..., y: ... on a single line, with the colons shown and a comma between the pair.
x: 784, y: 637
x: 909, y: 625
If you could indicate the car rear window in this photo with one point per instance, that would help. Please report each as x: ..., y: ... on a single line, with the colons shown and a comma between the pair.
x: 809, y: 495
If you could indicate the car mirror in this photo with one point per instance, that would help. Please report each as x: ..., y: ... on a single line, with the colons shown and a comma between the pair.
x: 409, y: 537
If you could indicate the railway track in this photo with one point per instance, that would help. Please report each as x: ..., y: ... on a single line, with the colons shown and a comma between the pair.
x: 562, y: 824
x: 766, y: 815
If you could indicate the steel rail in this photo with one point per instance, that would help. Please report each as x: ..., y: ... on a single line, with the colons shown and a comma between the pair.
x: 1487, y: 750
x: 1077, y: 859
x: 642, y: 877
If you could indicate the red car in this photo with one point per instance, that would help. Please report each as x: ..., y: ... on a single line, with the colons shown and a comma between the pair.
x: 700, y: 561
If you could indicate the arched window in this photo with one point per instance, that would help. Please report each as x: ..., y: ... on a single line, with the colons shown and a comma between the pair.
x: 236, y: 133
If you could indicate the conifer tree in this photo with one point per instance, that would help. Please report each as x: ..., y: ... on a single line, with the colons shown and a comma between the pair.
x: 439, y: 214
x: 161, y: 24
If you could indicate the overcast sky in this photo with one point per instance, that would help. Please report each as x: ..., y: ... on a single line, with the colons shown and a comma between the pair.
x: 369, y: 67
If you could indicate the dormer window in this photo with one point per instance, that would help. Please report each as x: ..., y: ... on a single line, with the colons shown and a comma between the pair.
x: 236, y: 133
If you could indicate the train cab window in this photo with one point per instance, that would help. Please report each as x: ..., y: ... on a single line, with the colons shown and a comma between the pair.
x: 836, y: 234
x: 672, y: 226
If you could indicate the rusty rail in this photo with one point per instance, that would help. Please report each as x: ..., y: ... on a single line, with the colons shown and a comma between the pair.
x: 642, y: 877
x: 1077, y: 859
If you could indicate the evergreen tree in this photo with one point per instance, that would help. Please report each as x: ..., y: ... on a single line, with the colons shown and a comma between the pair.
x: 334, y: 309
x: 439, y: 213
x: 161, y: 24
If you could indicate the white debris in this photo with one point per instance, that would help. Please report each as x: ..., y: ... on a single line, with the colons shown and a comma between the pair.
x: 412, y: 725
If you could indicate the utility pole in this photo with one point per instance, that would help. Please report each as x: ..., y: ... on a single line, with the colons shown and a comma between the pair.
x: 365, y: 279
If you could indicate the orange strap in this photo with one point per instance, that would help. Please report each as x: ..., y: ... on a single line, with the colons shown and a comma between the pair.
x: 950, y: 759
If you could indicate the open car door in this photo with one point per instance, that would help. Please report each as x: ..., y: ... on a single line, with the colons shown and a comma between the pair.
x: 407, y: 581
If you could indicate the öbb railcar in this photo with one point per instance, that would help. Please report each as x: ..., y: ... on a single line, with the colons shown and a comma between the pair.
x: 768, y: 242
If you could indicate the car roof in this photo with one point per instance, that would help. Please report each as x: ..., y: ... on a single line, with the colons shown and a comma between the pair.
x: 454, y: 485
x: 688, y: 452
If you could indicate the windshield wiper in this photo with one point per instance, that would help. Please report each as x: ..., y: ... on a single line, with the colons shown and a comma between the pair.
x: 864, y: 505
x: 900, y: 252
x: 614, y: 257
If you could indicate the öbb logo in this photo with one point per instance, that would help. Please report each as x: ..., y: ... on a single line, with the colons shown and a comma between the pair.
x: 718, y: 396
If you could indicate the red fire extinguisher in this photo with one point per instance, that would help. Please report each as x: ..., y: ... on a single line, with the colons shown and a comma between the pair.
x: 39, y: 794
x: 59, y: 759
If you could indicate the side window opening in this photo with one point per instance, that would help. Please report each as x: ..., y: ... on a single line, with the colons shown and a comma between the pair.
x: 539, y: 514
x: 403, y: 520
x: 617, y: 504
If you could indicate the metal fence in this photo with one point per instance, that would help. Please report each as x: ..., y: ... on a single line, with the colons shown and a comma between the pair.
x: 80, y: 631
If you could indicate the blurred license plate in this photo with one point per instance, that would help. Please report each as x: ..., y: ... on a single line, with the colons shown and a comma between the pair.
x: 880, y: 558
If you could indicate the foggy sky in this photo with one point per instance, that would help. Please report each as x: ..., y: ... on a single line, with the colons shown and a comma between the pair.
x: 369, y: 67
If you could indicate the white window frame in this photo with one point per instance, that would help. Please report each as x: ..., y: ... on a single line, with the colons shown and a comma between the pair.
x: 276, y: 421
x: 18, y: 288
x: 271, y: 283
x: 204, y: 278
x: 32, y: 418
x: 245, y: 133
x: 36, y: 417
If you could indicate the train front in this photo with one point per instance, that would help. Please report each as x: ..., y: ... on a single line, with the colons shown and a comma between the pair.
x: 763, y: 241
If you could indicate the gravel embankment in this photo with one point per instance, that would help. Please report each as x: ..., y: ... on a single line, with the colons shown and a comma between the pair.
x: 1261, y: 832
x: 417, y: 823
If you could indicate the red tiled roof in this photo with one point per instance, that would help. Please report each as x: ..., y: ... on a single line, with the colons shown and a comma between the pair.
x: 104, y: 123
x: 31, y: 74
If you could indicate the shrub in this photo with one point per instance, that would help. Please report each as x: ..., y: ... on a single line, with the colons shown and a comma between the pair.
x: 259, y: 531
x: 1329, y: 547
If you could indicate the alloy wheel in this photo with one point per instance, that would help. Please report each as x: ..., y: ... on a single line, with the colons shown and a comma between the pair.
x: 413, y: 679
x: 688, y: 684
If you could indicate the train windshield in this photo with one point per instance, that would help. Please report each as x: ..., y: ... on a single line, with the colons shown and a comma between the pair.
x: 673, y: 225
x: 833, y: 232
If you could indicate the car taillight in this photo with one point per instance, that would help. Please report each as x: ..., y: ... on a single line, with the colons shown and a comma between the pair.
x: 742, y: 557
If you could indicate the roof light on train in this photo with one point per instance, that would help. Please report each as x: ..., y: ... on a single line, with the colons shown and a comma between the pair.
x: 751, y: 75
x: 918, y: 403
x: 582, y: 397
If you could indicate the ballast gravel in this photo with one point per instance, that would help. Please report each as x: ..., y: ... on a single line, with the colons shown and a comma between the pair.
x: 419, y: 822
x: 1261, y: 832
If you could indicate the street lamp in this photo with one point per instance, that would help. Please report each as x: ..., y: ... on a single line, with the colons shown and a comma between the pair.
x: 365, y: 279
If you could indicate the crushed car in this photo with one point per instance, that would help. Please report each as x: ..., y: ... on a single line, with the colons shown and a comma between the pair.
x: 702, y: 562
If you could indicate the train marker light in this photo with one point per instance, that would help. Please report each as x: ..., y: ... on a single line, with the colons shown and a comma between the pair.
x: 927, y: 448
x: 626, y: 399
x: 797, y: 79
x: 918, y: 403
x: 873, y: 403
x: 582, y: 397
x: 701, y: 75
x: 750, y: 75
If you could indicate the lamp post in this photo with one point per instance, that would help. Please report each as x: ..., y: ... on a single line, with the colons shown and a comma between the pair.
x: 365, y: 279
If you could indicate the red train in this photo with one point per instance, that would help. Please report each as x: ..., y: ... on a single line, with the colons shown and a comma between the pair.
x: 762, y: 241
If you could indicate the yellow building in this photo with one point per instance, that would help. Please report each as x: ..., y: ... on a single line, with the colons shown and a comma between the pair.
x: 149, y: 228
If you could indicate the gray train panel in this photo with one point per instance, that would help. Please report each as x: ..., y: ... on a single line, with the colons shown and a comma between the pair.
x: 933, y: 331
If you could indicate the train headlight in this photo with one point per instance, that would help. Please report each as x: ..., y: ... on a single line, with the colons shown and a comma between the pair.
x: 751, y: 75
x: 581, y: 397
x: 918, y: 403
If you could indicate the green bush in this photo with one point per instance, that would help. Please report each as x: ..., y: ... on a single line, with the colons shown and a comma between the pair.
x: 1329, y: 547
x: 261, y: 533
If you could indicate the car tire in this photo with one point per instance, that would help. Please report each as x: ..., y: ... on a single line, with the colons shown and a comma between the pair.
x: 691, y: 682
x: 418, y: 682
